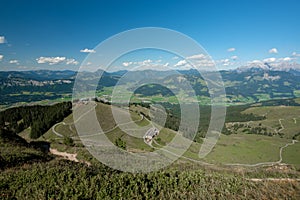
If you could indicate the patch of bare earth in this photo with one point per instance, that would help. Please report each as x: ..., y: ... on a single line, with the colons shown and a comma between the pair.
x: 68, y: 156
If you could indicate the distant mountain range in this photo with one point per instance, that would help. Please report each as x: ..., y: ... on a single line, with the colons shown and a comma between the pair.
x: 281, y: 66
x: 251, y: 83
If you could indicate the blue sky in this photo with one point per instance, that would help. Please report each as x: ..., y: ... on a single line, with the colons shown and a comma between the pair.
x: 54, y: 32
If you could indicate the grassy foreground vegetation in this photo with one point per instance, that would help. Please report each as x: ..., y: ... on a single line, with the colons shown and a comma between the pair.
x: 60, y: 179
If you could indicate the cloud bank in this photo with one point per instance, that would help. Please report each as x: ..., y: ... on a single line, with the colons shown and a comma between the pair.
x: 56, y: 60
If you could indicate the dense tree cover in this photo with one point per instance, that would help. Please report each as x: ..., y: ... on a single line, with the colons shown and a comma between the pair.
x: 39, y: 118
x: 280, y: 102
x: 153, y: 89
x: 69, y: 180
x: 234, y: 114
x: 246, y: 128
x: 16, y: 151
x: 9, y: 100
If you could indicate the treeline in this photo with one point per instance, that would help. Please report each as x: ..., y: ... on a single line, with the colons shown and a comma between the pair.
x: 9, y: 100
x: 154, y: 89
x: 39, y: 118
x: 280, y: 102
x: 248, y: 129
x: 233, y: 114
x: 35, y: 93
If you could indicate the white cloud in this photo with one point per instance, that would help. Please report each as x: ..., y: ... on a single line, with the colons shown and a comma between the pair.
x: 274, y: 62
x: 225, y: 62
x: 231, y: 49
x: 1, y: 57
x: 2, y: 39
x: 286, y: 59
x: 180, y: 63
x: 126, y: 64
x: 72, y: 61
x: 197, y: 56
x: 269, y: 60
x: 198, y: 61
x: 175, y: 57
x: 57, y: 60
x: 145, y: 62
x: 86, y: 50
x: 14, y: 62
x: 273, y: 50
x: 295, y: 54
x: 50, y: 60
x: 234, y: 57
x: 255, y: 62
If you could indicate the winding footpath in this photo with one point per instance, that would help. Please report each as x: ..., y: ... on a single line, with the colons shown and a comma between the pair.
x: 275, y: 179
x: 265, y: 163
x: 73, y: 156
x: 282, y: 127
x: 231, y: 164
x: 63, y: 123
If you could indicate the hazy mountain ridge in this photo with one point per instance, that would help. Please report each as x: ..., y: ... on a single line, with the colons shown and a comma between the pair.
x: 249, y: 83
x: 281, y: 66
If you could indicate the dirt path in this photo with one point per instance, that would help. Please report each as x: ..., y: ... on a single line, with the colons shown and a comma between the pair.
x: 73, y: 156
x: 274, y: 179
x: 68, y: 156
x: 236, y: 164
x: 265, y: 163
x: 113, y: 128
x: 172, y: 153
x: 71, y: 123
x: 55, y: 132
x: 282, y: 127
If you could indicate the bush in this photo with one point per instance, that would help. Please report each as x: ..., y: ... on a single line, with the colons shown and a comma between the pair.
x: 68, y: 141
x: 120, y: 143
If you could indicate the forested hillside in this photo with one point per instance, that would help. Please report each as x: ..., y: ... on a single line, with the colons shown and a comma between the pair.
x: 38, y: 118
